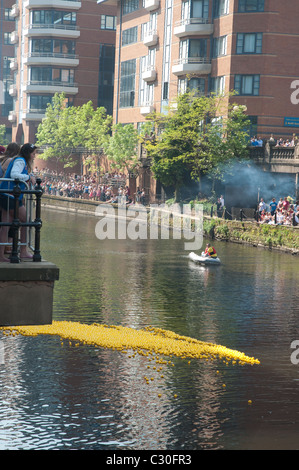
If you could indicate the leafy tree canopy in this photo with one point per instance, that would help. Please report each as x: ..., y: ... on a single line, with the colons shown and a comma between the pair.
x: 65, y: 129
x: 122, y: 147
x: 199, y: 135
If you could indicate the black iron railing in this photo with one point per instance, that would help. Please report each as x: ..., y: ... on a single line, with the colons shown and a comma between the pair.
x: 16, y: 224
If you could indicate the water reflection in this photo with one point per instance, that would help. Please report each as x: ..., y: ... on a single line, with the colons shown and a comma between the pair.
x: 58, y: 396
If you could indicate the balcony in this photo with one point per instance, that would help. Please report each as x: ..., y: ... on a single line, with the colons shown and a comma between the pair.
x: 12, y: 116
x: 189, y: 65
x: 53, y: 86
x: 150, y: 38
x: 146, y: 109
x: 151, y: 5
x: 193, y: 27
x: 14, y: 38
x: 12, y: 90
x: 51, y: 58
x: 34, y: 114
x: 59, y: 30
x: 13, y: 64
x: 150, y: 74
x: 14, y: 11
x: 68, y: 4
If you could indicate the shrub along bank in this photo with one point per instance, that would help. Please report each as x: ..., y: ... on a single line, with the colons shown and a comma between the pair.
x: 282, y: 237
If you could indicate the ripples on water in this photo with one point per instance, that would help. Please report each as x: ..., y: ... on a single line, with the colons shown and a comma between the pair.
x: 56, y: 396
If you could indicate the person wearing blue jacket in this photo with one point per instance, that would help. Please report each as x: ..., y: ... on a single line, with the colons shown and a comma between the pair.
x: 19, y: 168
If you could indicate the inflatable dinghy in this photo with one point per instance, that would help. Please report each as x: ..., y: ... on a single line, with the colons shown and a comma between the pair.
x: 203, y: 259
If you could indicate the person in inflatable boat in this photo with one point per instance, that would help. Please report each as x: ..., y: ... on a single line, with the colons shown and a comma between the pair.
x: 210, y: 251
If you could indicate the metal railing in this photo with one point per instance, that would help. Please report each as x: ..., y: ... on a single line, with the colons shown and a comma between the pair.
x: 52, y: 26
x: 16, y: 224
x: 188, y: 21
x: 57, y: 83
x: 54, y: 55
x: 192, y: 60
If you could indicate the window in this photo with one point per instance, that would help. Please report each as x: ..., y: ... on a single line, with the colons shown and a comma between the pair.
x: 251, y: 5
x: 53, y: 17
x: 7, y: 15
x: 146, y: 90
x: 150, y: 27
x: 39, y: 102
x: 7, y: 38
x: 193, y: 48
x: 49, y: 74
x: 247, y: 84
x: 6, y: 98
x: 108, y: 22
x: 6, y: 67
x: 221, y: 7
x: 165, y: 91
x: 195, y: 9
x: 217, y: 85
x: 249, y: 43
x: 219, y: 46
x: 127, y: 84
x: 106, y: 77
x: 194, y: 84
x: 129, y: 6
x: 48, y: 45
x: 129, y: 36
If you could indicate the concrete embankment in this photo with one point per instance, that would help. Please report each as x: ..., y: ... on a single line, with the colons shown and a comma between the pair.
x: 283, y: 238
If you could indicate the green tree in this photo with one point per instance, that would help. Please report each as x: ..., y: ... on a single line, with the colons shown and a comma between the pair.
x: 196, y: 137
x: 66, y: 129
x: 122, y: 147
x: 55, y: 132
x: 3, y: 140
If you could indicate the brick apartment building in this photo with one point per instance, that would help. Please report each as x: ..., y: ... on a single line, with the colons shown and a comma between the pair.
x: 58, y: 46
x: 7, y: 26
x: 163, y: 46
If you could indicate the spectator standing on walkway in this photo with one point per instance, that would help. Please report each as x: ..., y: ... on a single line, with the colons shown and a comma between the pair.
x: 273, y: 206
x: 262, y: 207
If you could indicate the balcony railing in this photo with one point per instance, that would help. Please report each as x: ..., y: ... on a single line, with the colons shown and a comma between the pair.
x: 187, y: 21
x: 150, y: 38
x: 193, y: 27
x: 185, y: 65
x: 149, y: 74
x: 52, y: 26
x: 50, y: 83
x: 192, y: 60
x: 52, y: 29
x: 54, y: 55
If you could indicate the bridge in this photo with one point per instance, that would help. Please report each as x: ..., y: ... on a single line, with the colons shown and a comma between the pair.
x: 276, y: 159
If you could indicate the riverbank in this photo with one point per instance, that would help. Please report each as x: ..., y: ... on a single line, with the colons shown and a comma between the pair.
x: 275, y: 237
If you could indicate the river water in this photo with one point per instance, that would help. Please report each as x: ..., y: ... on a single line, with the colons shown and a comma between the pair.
x: 59, y: 396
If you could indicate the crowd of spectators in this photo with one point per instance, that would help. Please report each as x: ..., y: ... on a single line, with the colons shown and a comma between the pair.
x: 111, y: 187
x: 283, y: 212
x: 259, y: 142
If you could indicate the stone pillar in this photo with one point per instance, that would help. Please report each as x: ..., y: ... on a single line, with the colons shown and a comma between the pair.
x: 26, y: 293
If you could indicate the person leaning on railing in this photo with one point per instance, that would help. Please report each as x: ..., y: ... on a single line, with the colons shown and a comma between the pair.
x: 10, y: 152
x: 19, y: 168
